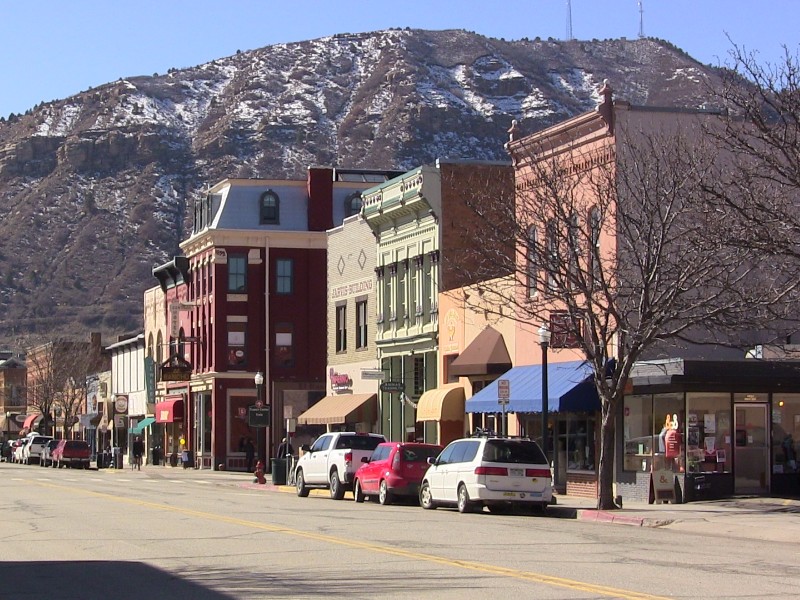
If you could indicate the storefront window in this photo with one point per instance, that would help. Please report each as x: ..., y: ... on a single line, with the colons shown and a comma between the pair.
x: 669, y: 431
x: 785, y: 433
x: 580, y: 443
x: 708, y: 433
x: 237, y: 422
x: 637, y: 425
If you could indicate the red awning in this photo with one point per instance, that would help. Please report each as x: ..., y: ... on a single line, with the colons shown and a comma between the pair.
x: 169, y: 411
x: 30, y: 420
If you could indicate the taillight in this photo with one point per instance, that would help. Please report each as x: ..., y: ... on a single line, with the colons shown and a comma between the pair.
x: 348, y: 457
x: 396, y: 462
x: 537, y: 473
x: 491, y: 471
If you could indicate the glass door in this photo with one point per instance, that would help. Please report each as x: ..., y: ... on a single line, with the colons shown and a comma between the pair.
x: 751, y: 450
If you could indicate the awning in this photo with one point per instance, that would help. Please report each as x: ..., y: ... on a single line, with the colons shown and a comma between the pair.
x: 141, y: 425
x: 169, y: 411
x: 485, y: 355
x: 338, y: 409
x: 30, y: 420
x: 569, y: 389
x: 442, y: 404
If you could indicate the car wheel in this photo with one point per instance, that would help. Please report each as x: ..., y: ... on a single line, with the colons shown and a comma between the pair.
x: 337, y: 489
x: 464, y: 503
x: 300, y: 484
x: 425, y: 497
x: 358, y: 493
x: 384, y: 495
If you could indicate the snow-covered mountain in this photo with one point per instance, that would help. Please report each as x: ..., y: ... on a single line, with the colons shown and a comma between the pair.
x: 96, y: 189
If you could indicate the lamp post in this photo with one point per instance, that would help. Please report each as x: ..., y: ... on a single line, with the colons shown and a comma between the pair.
x: 544, y: 342
x: 8, y: 424
x: 259, y: 381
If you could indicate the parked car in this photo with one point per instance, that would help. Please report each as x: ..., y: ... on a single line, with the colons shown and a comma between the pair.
x: 72, y: 453
x: 497, y: 472
x: 332, y: 460
x: 393, y: 470
x: 7, y: 450
x: 46, y: 459
x: 32, y: 450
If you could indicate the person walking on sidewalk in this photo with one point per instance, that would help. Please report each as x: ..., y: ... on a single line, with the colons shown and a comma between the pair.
x: 138, y: 451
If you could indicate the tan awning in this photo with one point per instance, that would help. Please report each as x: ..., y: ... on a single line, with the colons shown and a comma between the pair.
x: 445, y: 403
x: 485, y: 355
x: 337, y: 409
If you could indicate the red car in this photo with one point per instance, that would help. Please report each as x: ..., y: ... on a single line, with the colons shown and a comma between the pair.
x: 395, y: 469
x: 73, y: 453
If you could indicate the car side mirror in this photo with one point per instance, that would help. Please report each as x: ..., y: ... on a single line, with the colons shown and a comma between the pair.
x: 431, y: 460
x: 305, y: 448
x: 365, y: 459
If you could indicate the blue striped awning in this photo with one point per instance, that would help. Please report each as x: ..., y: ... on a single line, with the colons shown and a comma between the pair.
x: 570, y: 388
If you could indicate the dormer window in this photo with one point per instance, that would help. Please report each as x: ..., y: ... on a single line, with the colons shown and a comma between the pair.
x: 270, y: 208
x: 353, y: 204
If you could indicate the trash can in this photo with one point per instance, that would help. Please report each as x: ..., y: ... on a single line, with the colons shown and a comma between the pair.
x: 102, y: 460
x: 173, y: 460
x: 156, y: 455
x: 116, y: 454
x: 279, y: 471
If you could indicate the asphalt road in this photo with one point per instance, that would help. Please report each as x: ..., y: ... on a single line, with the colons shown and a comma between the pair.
x: 99, y: 534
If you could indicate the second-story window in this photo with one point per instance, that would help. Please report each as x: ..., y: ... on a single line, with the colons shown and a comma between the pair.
x: 237, y: 273
x: 352, y: 204
x: 284, y: 276
x: 341, y: 327
x: 361, y: 324
x: 532, y: 262
x: 270, y: 208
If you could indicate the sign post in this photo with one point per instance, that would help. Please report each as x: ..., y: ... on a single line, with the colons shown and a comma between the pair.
x: 503, y: 395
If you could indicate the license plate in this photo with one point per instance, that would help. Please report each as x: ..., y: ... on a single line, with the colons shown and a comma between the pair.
x: 516, y: 472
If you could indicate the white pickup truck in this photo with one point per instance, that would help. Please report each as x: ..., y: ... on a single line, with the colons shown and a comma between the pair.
x: 332, y: 460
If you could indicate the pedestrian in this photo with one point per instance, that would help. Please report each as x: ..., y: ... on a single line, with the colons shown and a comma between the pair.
x: 285, y: 448
x: 138, y: 452
x: 250, y: 453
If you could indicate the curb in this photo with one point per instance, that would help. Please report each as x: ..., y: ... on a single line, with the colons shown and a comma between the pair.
x: 604, y: 516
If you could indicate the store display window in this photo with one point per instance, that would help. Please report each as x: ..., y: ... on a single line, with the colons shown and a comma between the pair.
x: 785, y: 433
x: 669, y: 432
x: 708, y: 432
x: 579, y: 442
x: 638, y: 433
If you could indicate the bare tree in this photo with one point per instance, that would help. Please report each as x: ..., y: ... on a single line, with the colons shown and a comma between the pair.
x: 613, y: 249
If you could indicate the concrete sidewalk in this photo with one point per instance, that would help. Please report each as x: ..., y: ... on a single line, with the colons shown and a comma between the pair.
x: 756, y: 518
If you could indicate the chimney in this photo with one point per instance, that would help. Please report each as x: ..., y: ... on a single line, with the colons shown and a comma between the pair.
x: 95, y: 339
x: 320, y: 198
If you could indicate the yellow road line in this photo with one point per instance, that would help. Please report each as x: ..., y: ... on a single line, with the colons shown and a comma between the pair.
x: 463, y: 564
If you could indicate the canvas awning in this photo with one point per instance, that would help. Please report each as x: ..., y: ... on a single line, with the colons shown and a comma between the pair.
x: 485, y: 355
x: 142, y: 425
x: 445, y: 403
x: 569, y: 389
x: 169, y: 410
x: 30, y: 420
x: 346, y: 408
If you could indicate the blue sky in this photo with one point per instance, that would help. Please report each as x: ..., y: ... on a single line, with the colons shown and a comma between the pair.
x: 55, y: 48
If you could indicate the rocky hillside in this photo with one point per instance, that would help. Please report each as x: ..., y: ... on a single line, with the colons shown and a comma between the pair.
x: 96, y: 189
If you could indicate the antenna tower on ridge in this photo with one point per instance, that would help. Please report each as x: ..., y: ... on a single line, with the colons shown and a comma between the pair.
x: 641, y: 20
x: 569, y: 21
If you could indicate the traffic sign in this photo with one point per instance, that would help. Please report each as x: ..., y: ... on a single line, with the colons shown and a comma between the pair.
x: 392, y: 386
x: 258, y: 417
x: 503, y: 391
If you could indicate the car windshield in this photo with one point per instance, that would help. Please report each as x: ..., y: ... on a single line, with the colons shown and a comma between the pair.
x: 513, y: 451
x: 420, y: 453
x: 40, y: 440
x: 75, y: 444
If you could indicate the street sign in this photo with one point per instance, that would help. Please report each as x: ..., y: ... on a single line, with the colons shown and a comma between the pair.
x: 259, y: 404
x: 373, y: 374
x: 503, y: 391
x: 392, y: 386
x: 258, y: 417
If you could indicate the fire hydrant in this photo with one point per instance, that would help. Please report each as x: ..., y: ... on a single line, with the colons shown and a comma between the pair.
x: 259, y: 473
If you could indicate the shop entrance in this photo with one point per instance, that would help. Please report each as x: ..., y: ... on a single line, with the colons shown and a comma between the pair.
x: 751, y: 458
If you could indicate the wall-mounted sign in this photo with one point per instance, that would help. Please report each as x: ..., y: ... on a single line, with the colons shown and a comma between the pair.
x: 348, y: 290
x: 121, y: 403
x: 392, y: 386
x: 258, y: 417
x: 176, y: 368
x: 373, y: 374
x: 340, y: 381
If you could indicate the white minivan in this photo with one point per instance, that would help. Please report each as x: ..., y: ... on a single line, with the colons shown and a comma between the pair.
x: 496, y: 472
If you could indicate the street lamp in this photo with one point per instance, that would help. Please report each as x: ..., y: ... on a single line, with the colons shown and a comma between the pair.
x: 8, y: 424
x: 259, y: 381
x: 544, y: 342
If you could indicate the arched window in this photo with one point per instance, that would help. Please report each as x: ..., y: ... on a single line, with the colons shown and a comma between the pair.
x: 352, y: 204
x: 532, y: 266
x: 150, y: 346
x: 270, y: 208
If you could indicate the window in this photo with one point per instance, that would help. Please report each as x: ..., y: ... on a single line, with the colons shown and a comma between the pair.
x: 270, y: 208
x: 785, y: 433
x: 284, y: 276
x: 594, y: 246
x: 237, y: 273
x: 638, y: 428
x: 532, y: 263
x: 553, y: 259
x: 419, y: 375
x: 565, y: 333
x: 237, y: 350
x: 352, y: 204
x: 361, y: 324
x: 284, y: 345
x: 341, y: 327
x: 574, y: 252
x: 708, y: 432
x: 322, y: 443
